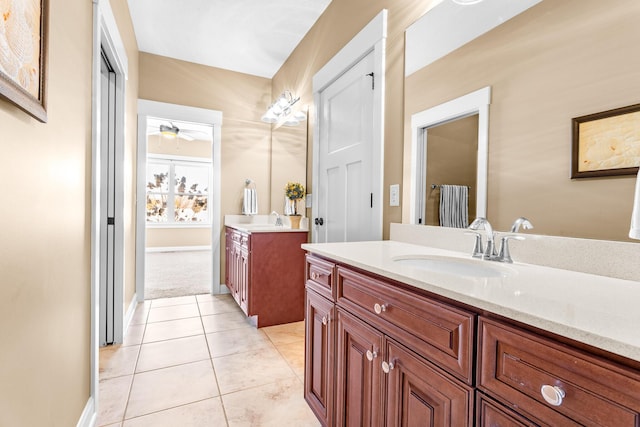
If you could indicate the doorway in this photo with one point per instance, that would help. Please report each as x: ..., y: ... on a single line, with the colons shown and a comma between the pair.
x: 178, y: 256
x: 348, y: 158
x: 178, y: 225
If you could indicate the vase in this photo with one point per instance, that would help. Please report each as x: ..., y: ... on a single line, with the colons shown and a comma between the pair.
x: 295, y: 221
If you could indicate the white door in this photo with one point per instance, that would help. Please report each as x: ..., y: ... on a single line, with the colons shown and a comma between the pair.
x: 346, y: 200
x: 107, y: 203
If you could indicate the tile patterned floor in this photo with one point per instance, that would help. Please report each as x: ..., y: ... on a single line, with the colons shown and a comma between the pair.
x: 197, y: 361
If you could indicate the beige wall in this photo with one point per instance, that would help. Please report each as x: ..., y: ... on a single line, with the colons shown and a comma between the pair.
x: 178, y: 237
x: 556, y: 61
x: 45, y: 292
x: 341, y: 21
x: 125, y: 27
x: 44, y: 251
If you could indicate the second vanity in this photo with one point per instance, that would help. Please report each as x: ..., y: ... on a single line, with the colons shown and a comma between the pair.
x: 264, y: 269
x: 404, y: 334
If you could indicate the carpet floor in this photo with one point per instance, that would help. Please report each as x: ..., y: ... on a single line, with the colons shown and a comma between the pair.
x: 174, y: 274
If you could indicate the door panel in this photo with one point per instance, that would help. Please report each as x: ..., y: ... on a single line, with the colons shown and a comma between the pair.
x: 358, y: 389
x: 346, y: 175
x: 107, y: 202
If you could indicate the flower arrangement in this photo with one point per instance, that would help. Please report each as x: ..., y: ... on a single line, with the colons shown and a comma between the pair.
x: 294, y: 191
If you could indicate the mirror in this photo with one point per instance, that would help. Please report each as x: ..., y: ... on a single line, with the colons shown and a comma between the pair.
x: 450, y: 158
x: 546, y: 65
x: 288, y: 161
x: 449, y: 146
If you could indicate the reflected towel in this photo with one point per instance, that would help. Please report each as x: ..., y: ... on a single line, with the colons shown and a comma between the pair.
x: 634, y: 231
x: 454, y: 206
x: 250, y: 202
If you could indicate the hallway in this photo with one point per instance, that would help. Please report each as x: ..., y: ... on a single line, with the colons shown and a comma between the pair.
x: 197, y: 361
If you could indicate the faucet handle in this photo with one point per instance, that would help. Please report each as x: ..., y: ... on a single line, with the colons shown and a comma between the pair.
x: 478, y: 250
x: 505, y: 255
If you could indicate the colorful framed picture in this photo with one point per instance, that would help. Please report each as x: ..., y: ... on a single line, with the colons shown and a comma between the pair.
x: 606, y: 143
x: 23, y: 58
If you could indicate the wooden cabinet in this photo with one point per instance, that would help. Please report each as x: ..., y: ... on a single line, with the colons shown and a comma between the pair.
x: 439, y: 332
x: 553, y: 384
x: 319, y: 356
x: 265, y: 274
x: 405, y: 358
x: 379, y: 378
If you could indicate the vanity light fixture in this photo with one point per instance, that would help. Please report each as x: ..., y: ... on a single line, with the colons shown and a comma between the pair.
x: 281, y: 110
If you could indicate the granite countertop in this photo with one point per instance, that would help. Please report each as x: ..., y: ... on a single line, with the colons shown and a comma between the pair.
x: 596, y: 310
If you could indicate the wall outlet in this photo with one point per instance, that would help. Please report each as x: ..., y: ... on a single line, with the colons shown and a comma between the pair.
x: 394, y: 195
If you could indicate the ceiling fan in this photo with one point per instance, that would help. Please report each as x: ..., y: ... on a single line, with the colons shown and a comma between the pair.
x: 170, y: 131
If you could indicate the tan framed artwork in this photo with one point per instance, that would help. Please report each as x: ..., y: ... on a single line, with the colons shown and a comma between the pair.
x: 23, y: 55
x: 606, y: 143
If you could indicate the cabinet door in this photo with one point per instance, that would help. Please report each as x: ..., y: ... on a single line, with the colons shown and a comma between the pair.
x: 358, y: 388
x: 228, y: 261
x: 492, y: 414
x: 244, y: 282
x: 418, y: 394
x: 235, y: 268
x: 319, y: 356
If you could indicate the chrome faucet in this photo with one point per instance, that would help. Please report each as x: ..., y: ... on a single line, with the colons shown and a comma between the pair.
x: 278, y: 219
x: 505, y: 255
x: 490, y: 250
x: 522, y: 221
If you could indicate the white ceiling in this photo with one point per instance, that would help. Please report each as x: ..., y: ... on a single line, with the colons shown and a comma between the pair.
x: 248, y: 36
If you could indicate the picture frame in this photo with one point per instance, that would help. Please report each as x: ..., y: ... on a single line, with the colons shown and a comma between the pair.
x: 606, y: 143
x: 23, y: 72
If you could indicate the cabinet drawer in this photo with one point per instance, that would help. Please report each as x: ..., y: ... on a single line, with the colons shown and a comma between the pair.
x: 491, y: 414
x: 436, y: 331
x: 320, y: 276
x: 515, y: 365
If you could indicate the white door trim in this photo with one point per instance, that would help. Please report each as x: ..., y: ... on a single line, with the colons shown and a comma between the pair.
x: 107, y: 36
x: 184, y: 113
x: 372, y: 38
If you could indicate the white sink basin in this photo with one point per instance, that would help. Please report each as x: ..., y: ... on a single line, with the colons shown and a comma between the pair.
x: 455, y: 266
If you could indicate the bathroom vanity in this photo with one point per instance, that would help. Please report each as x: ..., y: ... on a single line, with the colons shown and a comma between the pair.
x: 264, y: 271
x: 404, y: 334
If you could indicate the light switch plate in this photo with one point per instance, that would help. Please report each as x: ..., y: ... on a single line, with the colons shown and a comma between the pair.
x: 394, y: 195
x: 307, y: 200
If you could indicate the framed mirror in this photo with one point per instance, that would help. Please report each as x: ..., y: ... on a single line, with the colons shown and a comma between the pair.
x: 436, y: 125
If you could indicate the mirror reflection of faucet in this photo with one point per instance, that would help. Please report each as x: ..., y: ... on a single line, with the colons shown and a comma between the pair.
x: 490, y: 252
x: 278, y: 219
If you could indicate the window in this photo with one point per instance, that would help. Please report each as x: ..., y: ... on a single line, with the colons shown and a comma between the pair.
x: 178, y: 191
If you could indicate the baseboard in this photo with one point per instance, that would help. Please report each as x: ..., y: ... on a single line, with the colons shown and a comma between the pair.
x: 129, y: 314
x: 178, y: 248
x: 89, y: 416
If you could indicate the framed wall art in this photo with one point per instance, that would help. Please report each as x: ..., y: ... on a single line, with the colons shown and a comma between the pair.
x: 23, y: 58
x: 606, y: 143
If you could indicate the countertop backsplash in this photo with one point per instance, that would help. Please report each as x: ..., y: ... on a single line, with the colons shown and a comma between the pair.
x: 602, y: 257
